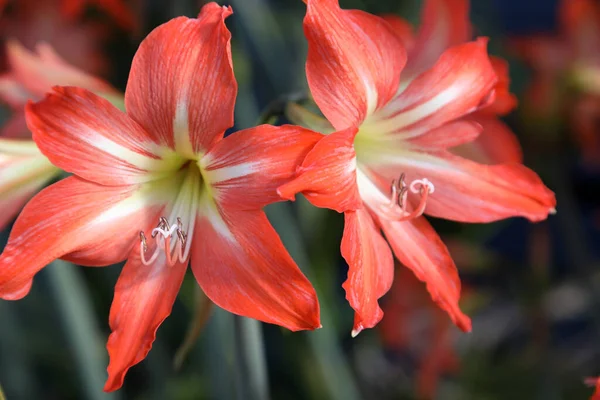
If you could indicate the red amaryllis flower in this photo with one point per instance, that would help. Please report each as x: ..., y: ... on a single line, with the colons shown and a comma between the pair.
x: 445, y: 23
x: 24, y: 170
x: 161, y: 187
x: 386, y: 133
x: 566, y: 80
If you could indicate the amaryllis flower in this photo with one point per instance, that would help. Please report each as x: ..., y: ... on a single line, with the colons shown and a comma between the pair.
x: 566, y: 79
x: 445, y: 23
x: 388, y: 161
x: 161, y: 187
x: 24, y: 170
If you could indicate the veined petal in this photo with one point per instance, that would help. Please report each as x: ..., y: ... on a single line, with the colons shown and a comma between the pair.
x: 420, y: 249
x: 84, y: 134
x: 469, y: 192
x: 327, y: 176
x: 354, y: 62
x: 144, y: 297
x: 181, y: 87
x: 444, y: 23
x: 242, y: 266
x: 371, y: 268
x: 39, y: 72
x: 79, y: 221
x: 496, y: 144
x: 245, y: 169
x: 456, y: 85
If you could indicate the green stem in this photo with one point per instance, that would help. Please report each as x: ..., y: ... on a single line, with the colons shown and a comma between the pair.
x: 250, y: 366
x: 2, y: 397
x: 337, y: 377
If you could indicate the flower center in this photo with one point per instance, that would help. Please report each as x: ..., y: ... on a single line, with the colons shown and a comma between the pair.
x: 172, y: 236
x: 396, y: 205
x: 397, y: 208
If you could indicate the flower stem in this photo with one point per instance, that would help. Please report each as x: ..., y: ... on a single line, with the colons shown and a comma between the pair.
x: 2, y: 397
x: 251, y: 366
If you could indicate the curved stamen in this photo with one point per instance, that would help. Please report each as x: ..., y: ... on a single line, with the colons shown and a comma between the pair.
x: 162, y: 235
x: 397, y: 208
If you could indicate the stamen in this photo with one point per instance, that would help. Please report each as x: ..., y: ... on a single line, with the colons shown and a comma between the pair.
x: 163, y: 235
x: 397, y: 208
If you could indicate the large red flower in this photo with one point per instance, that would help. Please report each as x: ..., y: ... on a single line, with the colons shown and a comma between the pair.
x: 388, y: 160
x: 161, y: 187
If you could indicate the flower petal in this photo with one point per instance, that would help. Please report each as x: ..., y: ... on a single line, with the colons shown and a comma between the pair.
x: 496, y: 144
x: 456, y: 85
x: 78, y: 221
x: 242, y: 266
x: 327, y: 176
x: 448, y: 135
x: 86, y: 135
x: 420, y: 249
x: 354, y: 61
x: 504, y: 101
x: 469, y: 192
x: 39, y: 72
x: 181, y: 86
x: 245, y: 169
x: 371, y: 268
x: 144, y: 297
x: 444, y: 23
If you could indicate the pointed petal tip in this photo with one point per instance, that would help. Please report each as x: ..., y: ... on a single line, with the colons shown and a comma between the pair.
x: 356, y: 331
x: 287, y: 192
x: 226, y: 11
x: 14, y: 293
x: 552, y: 211
x: 464, y: 324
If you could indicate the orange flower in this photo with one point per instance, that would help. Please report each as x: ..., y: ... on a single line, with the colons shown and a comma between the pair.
x: 388, y: 161
x: 161, y: 187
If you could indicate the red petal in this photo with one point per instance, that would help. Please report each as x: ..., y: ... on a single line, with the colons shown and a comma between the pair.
x: 419, y: 248
x: 245, y: 169
x: 181, y: 86
x: 449, y: 135
x: 327, y: 176
x: 504, y: 101
x: 71, y: 219
x: 469, y: 192
x: 456, y: 85
x: 86, y: 135
x: 371, y: 268
x: 354, y: 62
x: 144, y: 297
x: 444, y: 23
x: 242, y: 266
x: 496, y: 144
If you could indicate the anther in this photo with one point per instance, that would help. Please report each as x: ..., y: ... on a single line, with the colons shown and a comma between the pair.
x: 164, y: 233
x: 397, y: 208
